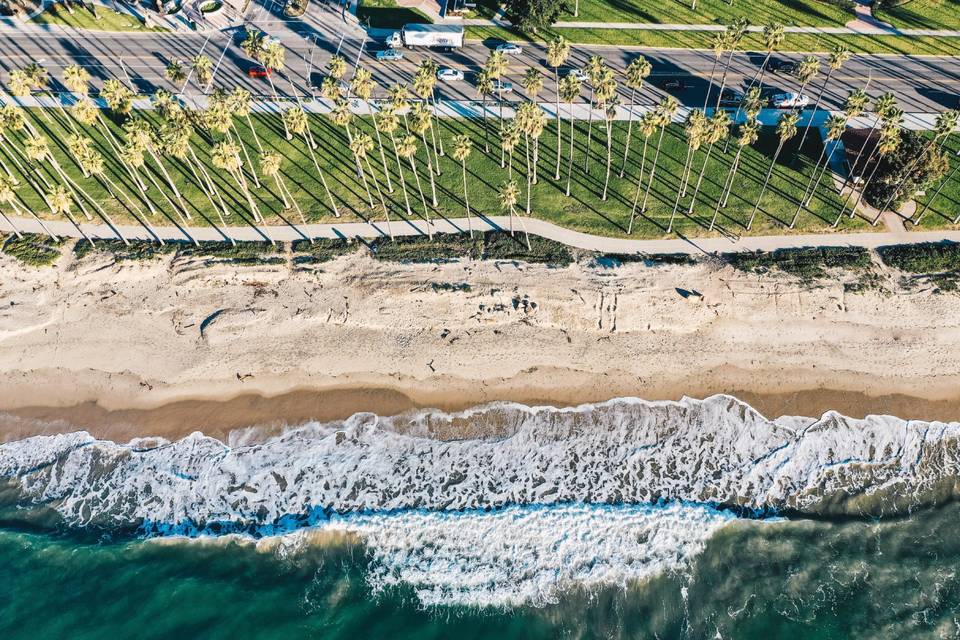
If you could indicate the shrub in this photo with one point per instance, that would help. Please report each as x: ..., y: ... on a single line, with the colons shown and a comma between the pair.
x: 900, y: 175
x: 32, y: 249
x: 805, y: 262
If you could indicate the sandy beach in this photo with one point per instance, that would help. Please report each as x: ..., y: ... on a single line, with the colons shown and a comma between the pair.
x: 176, y: 345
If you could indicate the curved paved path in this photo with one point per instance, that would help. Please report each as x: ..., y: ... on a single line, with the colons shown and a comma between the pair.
x: 373, y: 230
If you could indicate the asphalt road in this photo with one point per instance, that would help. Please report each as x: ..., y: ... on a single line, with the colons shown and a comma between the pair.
x: 922, y: 84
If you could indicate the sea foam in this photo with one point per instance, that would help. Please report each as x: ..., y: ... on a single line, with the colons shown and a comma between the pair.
x: 624, y: 451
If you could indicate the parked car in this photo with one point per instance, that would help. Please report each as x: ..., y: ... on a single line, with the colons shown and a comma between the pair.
x: 449, y: 75
x: 782, y: 66
x: 510, y: 49
x: 579, y: 74
x: 259, y: 71
x: 504, y: 87
x: 675, y: 84
x: 789, y: 101
x: 730, y: 98
x: 389, y: 55
x: 268, y: 40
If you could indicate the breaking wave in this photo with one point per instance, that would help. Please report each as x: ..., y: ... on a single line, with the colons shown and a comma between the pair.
x: 624, y: 451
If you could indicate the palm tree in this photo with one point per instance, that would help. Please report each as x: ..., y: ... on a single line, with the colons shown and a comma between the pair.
x: 735, y: 34
x: 533, y: 85
x: 558, y: 50
x: 424, y: 82
x: 807, y: 70
x: 496, y: 66
x: 607, y: 100
x: 637, y: 71
x: 462, y: 146
x: 716, y: 130
x: 399, y: 102
x: 749, y: 132
x: 884, y: 107
x: 295, y: 121
x: 786, y: 129
x: 138, y: 135
x: 118, y: 96
x: 337, y: 66
x: 835, y: 126
x: 695, y: 130
x: 37, y: 149
x: 595, y: 67
x: 719, y: 45
x: 273, y: 58
x: 421, y: 117
x: 509, y: 141
x: 8, y: 196
x: 341, y: 116
x: 60, y: 202
x: 253, y: 43
x: 484, y: 89
x: 271, y: 165
x: 408, y: 149
x: 666, y: 110
x: 569, y: 91
x: 389, y: 123
x: 226, y: 156
x: 648, y: 125
x: 533, y: 126
x: 838, y: 56
x: 773, y: 36
x: 890, y: 137
x: 174, y: 72
x: 509, y: 194
x: 76, y: 79
x: 202, y: 68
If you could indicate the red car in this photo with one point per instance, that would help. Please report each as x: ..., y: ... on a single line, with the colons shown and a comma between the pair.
x: 259, y: 72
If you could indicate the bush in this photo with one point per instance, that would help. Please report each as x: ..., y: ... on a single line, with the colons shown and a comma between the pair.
x: 806, y: 262
x: 321, y: 250
x: 926, y: 257
x: 900, y: 175
x: 492, y: 245
x: 32, y: 249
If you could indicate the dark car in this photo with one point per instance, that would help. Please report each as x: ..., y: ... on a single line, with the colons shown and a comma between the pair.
x: 730, y: 98
x: 782, y: 66
x: 675, y: 84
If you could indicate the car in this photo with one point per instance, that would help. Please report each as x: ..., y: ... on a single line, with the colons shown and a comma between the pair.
x: 259, y: 71
x: 789, y: 101
x: 675, y: 84
x: 449, y: 75
x: 268, y: 40
x: 509, y: 48
x: 389, y: 55
x: 730, y: 98
x: 579, y: 74
x: 782, y: 66
x: 504, y: 87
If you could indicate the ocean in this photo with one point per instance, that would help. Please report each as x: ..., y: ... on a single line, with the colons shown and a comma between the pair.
x: 624, y: 519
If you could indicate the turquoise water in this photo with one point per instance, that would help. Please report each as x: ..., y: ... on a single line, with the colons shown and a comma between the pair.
x: 785, y: 579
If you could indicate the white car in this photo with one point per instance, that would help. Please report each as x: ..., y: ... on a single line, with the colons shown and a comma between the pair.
x: 268, y: 40
x: 579, y: 74
x: 789, y: 101
x: 504, y: 87
x: 510, y: 49
x: 389, y: 55
x: 449, y: 75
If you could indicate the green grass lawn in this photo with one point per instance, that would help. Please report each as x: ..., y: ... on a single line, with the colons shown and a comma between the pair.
x: 790, y: 12
x: 583, y: 210
x: 923, y: 14
x: 804, y: 42
x: 384, y: 14
x: 82, y: 18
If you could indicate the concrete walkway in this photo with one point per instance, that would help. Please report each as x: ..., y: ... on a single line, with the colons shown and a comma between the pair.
x: 379, y: 229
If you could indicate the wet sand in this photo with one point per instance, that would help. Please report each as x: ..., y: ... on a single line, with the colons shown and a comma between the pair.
x: 269, y: 415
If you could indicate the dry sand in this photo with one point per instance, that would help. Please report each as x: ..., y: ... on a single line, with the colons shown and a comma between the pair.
x: 170, y: 346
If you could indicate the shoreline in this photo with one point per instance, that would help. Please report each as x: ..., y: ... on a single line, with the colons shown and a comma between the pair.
x: 252, y: 415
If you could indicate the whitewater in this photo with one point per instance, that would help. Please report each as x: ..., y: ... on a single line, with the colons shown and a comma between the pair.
x: 501, y: 504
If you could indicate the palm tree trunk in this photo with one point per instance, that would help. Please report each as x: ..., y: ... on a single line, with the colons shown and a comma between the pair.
x: 486, y: 128
x: 426, y: 210
x: 16, y: 209
x: 811, y: 187
x: 606, y: 179
x: 466, y: 197
x: 816, y: 105
x: 439, y: 139
x: 433, y: 186
x: 727, y: 185
x: 766, y: 181
x: 713, y: 70
x: 636, y: 196
x: 323, y: 180
x: 526, y: 151
x: 403, y: 182
x: 626, y: 145
x: 253, y: 130
x: 723, y: 79
x: 570, y: 155
x: 10, y: 224
x: 556, y: 83
x: 656, y: 158
x: 246, y: 156
x: 935, y: 194
x: 169, y: 180
x: 383, y: 157
x: 696, y: 189
x: 586, y: 160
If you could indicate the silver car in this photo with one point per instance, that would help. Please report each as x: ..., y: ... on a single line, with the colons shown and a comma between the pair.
x: 510, y: 49
x: 389, y: 55
x: 449, y: 75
